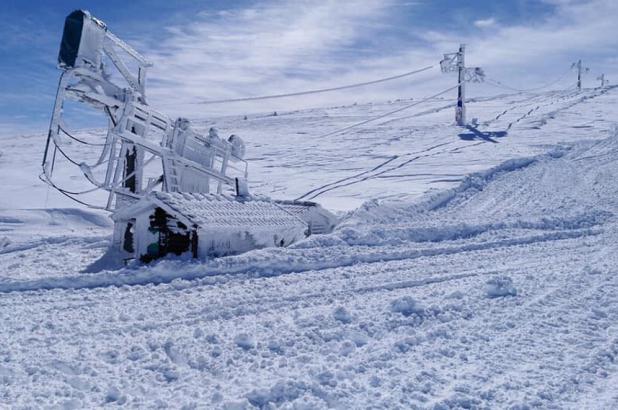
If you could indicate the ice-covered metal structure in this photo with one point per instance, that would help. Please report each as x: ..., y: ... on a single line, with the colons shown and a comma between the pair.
x: 202, y: 225
x: 151, y: 161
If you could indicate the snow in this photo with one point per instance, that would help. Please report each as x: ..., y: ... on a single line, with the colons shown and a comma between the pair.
x: 341, y: 314
x: 407, y: 306
x: 500, y: 286
x: 470, y: 270
x: 244, y: 341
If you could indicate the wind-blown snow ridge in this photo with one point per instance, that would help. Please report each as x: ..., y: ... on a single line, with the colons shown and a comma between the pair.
x: 478, y: 180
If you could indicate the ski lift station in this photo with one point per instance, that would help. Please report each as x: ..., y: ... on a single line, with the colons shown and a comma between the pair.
x: 210, y: 225
x: 171, y: 190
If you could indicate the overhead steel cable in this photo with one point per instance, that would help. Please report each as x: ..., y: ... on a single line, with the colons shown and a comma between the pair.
x: 358, y: 124
x: 80, y: 140
x: 497, y: 83
x: 323, y: 90
x: 68, y: 194
x: 64, y: 154
x: 63, y: 191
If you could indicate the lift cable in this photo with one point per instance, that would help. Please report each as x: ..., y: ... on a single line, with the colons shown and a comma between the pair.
x: 341, y: 130
x: 497, y: 83
x: 323, y: 90
x: 68, y: 134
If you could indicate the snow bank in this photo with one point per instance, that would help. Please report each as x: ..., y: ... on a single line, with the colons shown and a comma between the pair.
x: 269, y: 262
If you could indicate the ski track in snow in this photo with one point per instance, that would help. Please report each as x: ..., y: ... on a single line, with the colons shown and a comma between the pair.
x: 393, y: 310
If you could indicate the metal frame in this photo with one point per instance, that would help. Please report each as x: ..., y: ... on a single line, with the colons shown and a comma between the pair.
x: 456, y: 62
x: 134, y: 127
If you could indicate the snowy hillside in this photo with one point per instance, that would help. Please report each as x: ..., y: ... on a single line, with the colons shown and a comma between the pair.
x: 473, y: 268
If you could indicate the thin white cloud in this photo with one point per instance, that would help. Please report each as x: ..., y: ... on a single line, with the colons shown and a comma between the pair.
x: 281, y: 46
x: 484, y: 23
x: 278, y: 46
x: 528, y: 54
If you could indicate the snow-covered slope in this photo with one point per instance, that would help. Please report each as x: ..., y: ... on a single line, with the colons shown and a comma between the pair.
x: 404, y: 156
x: 479, y: 273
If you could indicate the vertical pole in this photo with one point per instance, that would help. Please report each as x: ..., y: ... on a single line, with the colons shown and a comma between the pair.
x: 579, y: 75
x: 54, y: 124
x: 460, y: 110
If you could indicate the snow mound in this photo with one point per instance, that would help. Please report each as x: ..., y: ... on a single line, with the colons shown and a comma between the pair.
x: 244, y: 341
x: 342, y: 315
x: 278, y: 394
x: 407, y: 306
x: 499, y: 287
x: 376, y: 212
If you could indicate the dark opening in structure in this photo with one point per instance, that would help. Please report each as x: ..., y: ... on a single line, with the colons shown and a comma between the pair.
x: 172, y: 236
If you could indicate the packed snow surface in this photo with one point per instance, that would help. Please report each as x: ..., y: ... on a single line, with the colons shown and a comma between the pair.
x: 472, y: 268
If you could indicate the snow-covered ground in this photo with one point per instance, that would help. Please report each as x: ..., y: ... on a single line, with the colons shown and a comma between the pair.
x: 473, y: 268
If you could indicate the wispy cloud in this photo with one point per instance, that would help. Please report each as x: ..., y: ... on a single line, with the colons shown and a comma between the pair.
x: 575, y: 30
x: 275, y: 47
x: 283, y: 46
x: 484, y: 23
x: 278, y: 46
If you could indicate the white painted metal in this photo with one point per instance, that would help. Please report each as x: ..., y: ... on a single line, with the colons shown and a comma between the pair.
x: 581, y: 70
x: 457, y: 62
x: 460, y: 110
x: 603, y: 81
x: 195, y: 169
x: 190, y: 162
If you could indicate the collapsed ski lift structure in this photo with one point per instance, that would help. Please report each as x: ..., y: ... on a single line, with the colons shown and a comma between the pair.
x: 171, y: 189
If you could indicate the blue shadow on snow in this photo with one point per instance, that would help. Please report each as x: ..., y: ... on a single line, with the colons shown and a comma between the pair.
x: 486, y: 136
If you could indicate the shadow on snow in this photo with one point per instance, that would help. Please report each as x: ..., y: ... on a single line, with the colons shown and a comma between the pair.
x: 475, y: 133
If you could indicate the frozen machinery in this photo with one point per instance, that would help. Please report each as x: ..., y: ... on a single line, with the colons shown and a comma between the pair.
x: 171, y: 189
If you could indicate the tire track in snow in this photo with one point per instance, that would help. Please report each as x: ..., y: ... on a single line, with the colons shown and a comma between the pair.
x: 337, y: 184
x: 557, y: 303
x: 376, y: 168
x: 494, y: 342
x: 528, y: 102
x: 448, y: 106
x: 319, y: 329
x: 370, y: 175
x: 54, y: 240
x: 394, y: 157
x: 259, y: 305
x: 322, y: 328
x: 543, y: 120
x: 315, y: 279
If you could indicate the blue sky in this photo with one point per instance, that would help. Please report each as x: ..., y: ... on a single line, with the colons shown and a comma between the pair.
x: 218, y: 49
